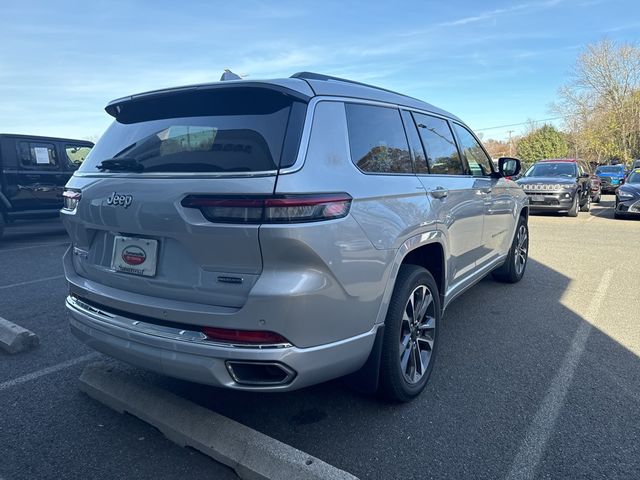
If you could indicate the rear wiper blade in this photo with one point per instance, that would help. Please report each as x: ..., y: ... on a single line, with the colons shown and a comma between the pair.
x: 124, y: 164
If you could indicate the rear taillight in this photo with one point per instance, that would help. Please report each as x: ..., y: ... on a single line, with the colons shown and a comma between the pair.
x: 250, y: 337
x: 272, y: 209
x: 71, y: 199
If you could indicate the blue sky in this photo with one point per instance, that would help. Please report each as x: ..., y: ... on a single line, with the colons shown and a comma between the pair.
x: 490, y: 62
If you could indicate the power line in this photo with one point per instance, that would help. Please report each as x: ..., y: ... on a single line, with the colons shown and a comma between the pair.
x: 518, y: 124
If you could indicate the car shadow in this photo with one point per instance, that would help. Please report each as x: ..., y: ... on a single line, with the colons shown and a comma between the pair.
x: 606, y: 207
x: 501, y: 347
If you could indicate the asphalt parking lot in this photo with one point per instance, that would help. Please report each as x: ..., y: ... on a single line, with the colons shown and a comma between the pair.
x: 535, y: 380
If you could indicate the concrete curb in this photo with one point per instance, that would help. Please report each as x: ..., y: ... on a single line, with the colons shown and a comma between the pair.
x: 251, y: 454
x: 14, y: 338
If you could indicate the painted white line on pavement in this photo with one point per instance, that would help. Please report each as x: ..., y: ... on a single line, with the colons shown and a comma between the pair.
x: 21, y: 284
x: 533, y: 446
x: 47, y: 371
x: 39, y: 245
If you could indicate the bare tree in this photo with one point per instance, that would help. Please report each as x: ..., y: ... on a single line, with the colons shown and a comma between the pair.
x: 602, y: 101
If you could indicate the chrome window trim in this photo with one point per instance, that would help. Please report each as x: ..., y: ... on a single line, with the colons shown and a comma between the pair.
x: 266, y: 173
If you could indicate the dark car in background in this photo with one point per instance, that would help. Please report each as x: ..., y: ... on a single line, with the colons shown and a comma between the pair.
x: 596, y: 189
x: 558, y: 185
x: 628, y: 197
x: 611, y: 177
x: 33, y: 173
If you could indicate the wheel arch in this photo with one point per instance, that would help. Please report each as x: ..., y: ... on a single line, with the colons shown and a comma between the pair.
x: 428, y: 250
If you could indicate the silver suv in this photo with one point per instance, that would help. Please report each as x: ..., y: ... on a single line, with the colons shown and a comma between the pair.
x: 270, y: 235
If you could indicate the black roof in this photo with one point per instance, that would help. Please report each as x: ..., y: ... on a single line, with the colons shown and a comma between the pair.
x: 304, y: 85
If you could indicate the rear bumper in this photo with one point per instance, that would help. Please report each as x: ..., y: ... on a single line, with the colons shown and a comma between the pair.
x: 207, y: 363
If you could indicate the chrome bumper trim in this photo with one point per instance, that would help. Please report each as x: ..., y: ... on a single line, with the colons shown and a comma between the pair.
x: 172, y: 333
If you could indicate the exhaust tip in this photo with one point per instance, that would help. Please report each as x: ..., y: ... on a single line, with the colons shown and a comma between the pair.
x: 260, y: 374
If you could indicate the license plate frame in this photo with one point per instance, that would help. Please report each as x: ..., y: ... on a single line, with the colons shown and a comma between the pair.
x: 135, y: 255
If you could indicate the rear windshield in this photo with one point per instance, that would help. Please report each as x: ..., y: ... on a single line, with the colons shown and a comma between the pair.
x: 217, y: 131
x: 610, y: 170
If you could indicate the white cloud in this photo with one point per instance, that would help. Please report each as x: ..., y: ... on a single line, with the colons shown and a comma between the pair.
x: 493, y: 14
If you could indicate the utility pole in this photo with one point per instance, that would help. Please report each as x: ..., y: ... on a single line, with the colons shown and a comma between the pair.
x: 510, y: 143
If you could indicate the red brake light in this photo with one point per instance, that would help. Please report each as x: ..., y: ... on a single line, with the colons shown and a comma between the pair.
x: 255, y: 337
x: 272, y: 209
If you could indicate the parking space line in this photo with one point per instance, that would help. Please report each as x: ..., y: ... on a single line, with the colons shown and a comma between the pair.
x: 20, y: 284
x: 533, y: 446
x: 47, y: 371
x: 39, y: 245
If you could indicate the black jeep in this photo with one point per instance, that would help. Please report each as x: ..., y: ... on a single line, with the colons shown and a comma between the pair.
x: 33, y: 172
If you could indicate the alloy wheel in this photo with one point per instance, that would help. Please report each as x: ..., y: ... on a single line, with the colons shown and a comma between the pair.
x: 417, y: 334
x: 522, y: 249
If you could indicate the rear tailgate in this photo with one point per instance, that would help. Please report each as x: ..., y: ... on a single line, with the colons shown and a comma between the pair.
x: 197, y: 261
x: 130, y: 230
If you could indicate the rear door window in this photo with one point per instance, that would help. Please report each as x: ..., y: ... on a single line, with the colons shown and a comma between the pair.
x: 38, y: 156
x: 232, y: 130
x: 439, y: 146
x: 417, y: 151
x: 377, y: 139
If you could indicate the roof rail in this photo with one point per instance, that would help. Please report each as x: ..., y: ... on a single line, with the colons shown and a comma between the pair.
x: 320, y: 76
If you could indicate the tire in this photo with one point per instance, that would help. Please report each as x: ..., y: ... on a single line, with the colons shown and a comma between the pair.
x: 573, y: 211
x: 515, y: 265
x: 402, y: 378
x: 587, y: 205
x: 616, y: 215
x: 597, y: 198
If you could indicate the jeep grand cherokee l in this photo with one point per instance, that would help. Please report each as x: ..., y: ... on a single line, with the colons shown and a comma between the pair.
x: 269, y: 235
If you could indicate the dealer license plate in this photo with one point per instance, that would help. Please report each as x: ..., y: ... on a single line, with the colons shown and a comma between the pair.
x: 135, y: 255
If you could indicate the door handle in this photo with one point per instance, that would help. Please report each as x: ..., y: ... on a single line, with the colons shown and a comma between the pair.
x: 439, y: 192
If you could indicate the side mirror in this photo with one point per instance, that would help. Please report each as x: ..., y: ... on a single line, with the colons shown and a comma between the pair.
x: 508, y: 166
x: 584, y: 175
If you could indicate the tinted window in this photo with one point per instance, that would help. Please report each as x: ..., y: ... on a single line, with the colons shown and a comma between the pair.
x: 37, y: 155
x: 478, y: 161
x: 226, y: 130
x: 377, y: 139
x: 76, y: 154
x: 419, y: 158
x: 439, y: 146
x: 634, y: 177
